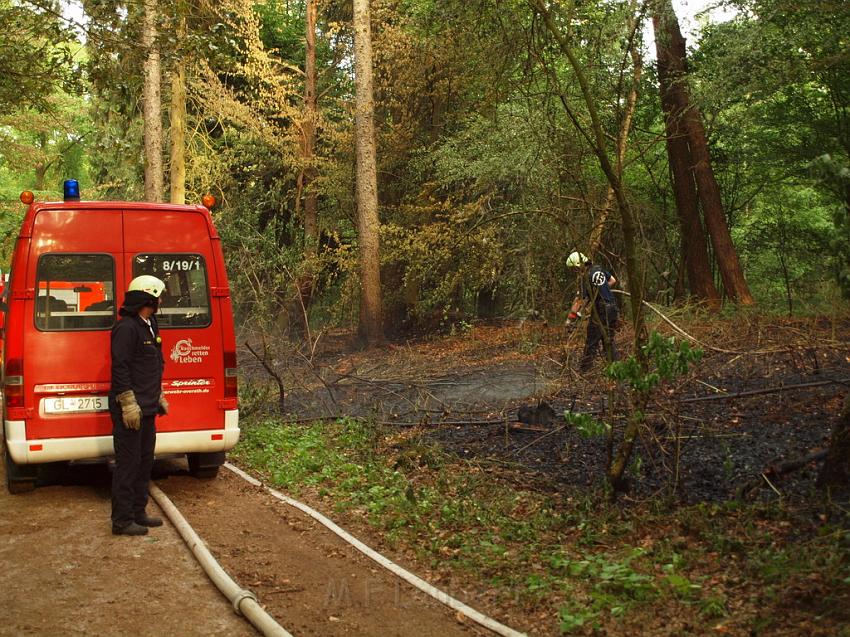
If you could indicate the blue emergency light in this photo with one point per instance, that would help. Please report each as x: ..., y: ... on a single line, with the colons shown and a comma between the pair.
x: 72, y: 190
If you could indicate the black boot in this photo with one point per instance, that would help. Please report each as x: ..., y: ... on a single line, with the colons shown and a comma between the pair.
x: 129, y: 529
x: 146, y: 520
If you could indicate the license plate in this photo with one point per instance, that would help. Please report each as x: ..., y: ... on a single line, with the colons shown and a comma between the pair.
x: 70, y: 404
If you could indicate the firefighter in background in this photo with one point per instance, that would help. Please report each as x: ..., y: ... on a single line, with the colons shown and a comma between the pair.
x: 595, y: 289
x: 135, y: 399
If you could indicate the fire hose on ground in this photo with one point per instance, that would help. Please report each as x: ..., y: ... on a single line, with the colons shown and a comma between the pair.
x: 244, y: 601
x: 410, y: 578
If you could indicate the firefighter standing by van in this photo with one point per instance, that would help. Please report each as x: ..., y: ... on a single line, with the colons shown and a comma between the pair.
x: 595, y: 288
x: 135, y: 399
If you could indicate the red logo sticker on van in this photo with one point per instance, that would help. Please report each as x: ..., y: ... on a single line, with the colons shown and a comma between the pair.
x: 184, y: 352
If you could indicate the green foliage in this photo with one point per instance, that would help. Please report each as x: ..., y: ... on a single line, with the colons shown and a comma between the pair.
x: 42, y: 140
x: 36, y: 58
x: 485, y: 182
x: 774, y: 82
x: 114, y: 81
x: 667, y: 359
x: 785, y: 245
x: 295, y: 456
x: 442, y: 263
x: 586, y: 424
x: 483, y: 157
x: 614, y: 586
x: 282, y: 28
x: 835, y: 173
x: 11, y: 216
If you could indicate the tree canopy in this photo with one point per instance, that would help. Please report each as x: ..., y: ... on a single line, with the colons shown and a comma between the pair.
x: 495, y: 121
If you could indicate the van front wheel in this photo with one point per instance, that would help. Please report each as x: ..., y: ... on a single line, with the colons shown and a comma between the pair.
x: 205, y: 465
x: 19, y: 478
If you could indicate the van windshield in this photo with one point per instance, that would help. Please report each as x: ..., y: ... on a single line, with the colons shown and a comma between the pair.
x: 185, y: 301
x: 75, y: 292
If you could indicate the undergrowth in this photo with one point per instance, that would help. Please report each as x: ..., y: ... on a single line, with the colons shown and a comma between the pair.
x: 589, y: 565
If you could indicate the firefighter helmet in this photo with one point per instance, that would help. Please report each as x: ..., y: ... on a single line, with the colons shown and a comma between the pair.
x: 576, y: 259
x: 147, y: 283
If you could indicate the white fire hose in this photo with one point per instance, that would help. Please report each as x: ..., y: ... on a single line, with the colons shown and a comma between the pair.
x: 422, y: 585
x: 244, y: 601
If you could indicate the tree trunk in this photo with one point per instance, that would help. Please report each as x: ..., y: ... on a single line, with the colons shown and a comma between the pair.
x: 305, y: 284
x: 622, y: 144
x: 368, y: 223
x: 684, y: 188
x: 152, y: 107
x: 177, y: 115
x: 836, y: 469
x: 308, y: 134
x: 712, y: 209
x: 709, y: 193
x: 178, y: 133
x: 41, y: 166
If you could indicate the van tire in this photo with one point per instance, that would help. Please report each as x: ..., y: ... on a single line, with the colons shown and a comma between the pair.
x: 204, y: 466
x: 19, y: 478
x: 206, y: 474
x: 16, y: 487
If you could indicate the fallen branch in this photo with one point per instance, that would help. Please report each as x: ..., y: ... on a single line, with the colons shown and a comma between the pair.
x: 536, y: 440
x: 281, y: 400
x: 391, y: 423
x: 779, y: 470
x: 768, y: 390
x: 694, y: 339
x: 442, y: 423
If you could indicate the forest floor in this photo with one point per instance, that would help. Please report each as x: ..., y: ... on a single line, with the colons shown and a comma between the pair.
x: 678, y: 554
x: 766, y: 394
x: 415, y: 449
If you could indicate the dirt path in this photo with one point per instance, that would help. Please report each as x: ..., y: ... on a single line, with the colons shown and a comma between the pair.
x: 65, y: 574
x: 312, y: 582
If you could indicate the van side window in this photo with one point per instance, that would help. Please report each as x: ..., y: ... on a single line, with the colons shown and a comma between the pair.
x: 185, y: 301
x: 75, y: 292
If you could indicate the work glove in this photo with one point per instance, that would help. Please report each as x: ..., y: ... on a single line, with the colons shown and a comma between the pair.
x: 162, y: 410
x: 572, y: 318
x: 131, y: 413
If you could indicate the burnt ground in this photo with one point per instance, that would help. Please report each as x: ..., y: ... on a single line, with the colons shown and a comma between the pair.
x: 724, y: 443
x: 463, y: 392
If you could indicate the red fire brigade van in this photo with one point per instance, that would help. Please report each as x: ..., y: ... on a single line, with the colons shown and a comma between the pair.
x: 71, y: 266
x: 4, y: 278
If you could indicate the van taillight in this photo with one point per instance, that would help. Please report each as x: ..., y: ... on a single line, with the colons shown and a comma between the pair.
x: 231, y: 382
x: 14, y: 383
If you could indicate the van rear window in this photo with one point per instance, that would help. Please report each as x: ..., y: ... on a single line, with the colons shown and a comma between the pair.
x: 75, y: 292
x: 185, y: 301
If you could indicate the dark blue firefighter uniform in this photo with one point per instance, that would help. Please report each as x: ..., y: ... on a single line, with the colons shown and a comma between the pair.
x: 137, y: 365
x: 603, y: 321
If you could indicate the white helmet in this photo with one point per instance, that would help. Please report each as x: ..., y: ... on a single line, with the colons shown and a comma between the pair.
x: 576, y: 259
x: 147, y: 283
